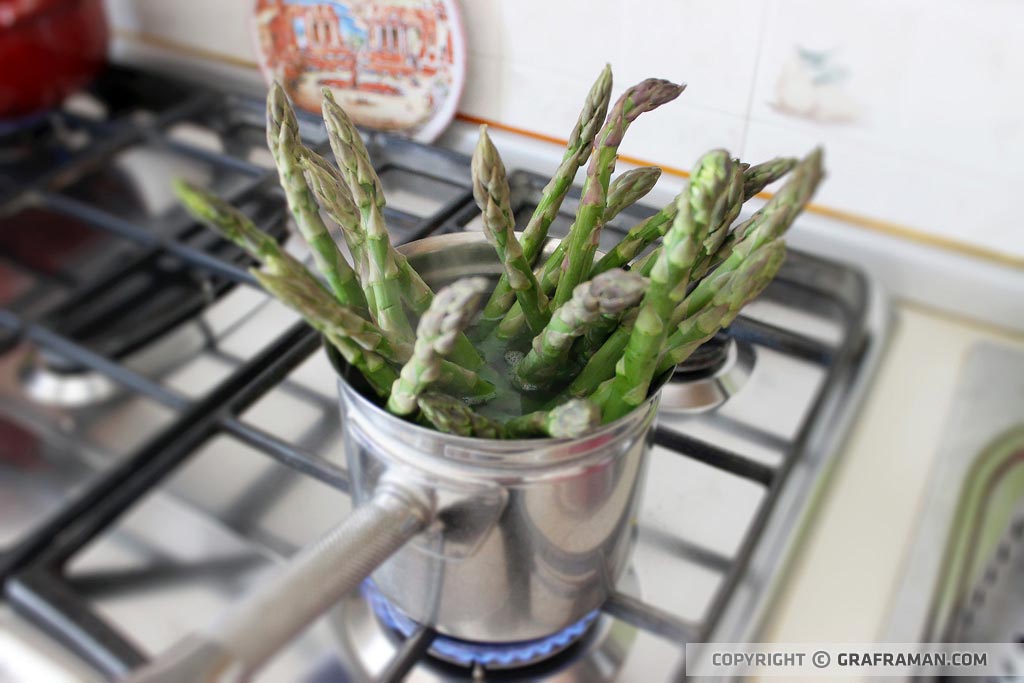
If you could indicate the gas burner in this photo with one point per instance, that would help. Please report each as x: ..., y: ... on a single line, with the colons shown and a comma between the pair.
x: 52, y: 379
x: 370, y: 631
x: 708, y: 378
x: 488, y: 655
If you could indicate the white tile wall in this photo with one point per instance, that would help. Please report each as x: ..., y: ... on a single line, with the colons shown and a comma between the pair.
x: 918, y: 102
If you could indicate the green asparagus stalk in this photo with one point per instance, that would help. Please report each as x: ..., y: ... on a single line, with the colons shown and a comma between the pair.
x: 228, y: 221
x: 609, y: 293
x: 581, y: 142
x: 583, y: 238
x: 566, y: 421
x: 449, y: 313
x: 732, y: 291
x: 382, y: 275
x: 304, y: 294
x: 287, y: 150
x: 451, y: 416
x: 636, y: 240
x: 724, y: 213
x: 491, y: 191
x: 598, y: 334
x: 767, y: 224
x: 354, y: 162
x: 331, y: 189
x: 758, y: 177
x: 628, y: 189
x: 669, y: 279
x: 771, y: 221
x: 360, y: 342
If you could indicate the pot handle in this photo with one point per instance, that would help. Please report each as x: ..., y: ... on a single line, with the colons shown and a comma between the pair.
x: 232, y: 648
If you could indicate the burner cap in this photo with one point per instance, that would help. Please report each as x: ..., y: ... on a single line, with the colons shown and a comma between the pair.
x: 52, y: 380
x: 708, y: 378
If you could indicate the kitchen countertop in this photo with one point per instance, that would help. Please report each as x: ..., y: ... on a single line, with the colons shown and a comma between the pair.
x: 843, y: 576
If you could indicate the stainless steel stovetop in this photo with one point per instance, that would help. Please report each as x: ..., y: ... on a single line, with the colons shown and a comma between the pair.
x: 169, y: 433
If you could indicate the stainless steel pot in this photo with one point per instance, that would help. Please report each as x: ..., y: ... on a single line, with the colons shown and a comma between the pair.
x: 482, y: 539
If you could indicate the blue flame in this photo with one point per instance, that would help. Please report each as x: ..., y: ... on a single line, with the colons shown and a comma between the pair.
x: 469, y: 653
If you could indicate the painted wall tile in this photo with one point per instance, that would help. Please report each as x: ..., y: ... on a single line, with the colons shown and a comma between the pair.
x: 678, y: 133
x: 482, y: 95
x: 874, y: 181
x: 574, y: 38
x: 542, y: 100
x: 222, y: 26
x: 831, y: 63
x: 710, y: 45
x: 483, y: 27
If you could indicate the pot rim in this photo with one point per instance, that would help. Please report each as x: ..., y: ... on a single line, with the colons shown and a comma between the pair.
x: 473, y: 442
x: 452, y: 241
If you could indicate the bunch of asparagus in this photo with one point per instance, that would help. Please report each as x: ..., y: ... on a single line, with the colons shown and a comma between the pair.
x: 560, y: 345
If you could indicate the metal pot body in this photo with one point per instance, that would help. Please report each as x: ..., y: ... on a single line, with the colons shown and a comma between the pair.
x: 529, y: 536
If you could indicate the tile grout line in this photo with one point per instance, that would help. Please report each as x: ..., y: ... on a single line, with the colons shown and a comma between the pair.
x: 763, y: 29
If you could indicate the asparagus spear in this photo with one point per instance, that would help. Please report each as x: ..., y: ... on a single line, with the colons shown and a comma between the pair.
x: 771, y: 221
x: 449, y: 313
x: 583, y: 239
x: 572, y: 259
x: 573, y: 418
x: 598, y: 334
x: 725, y: 211
x: 382, y: 270
x: 723, y: 214
x: 669, y: 278
x: 610, y: 292
x: 286, y: 148
x: 331, y: 189
x: 450, y: 415
x: 733, y: 291
x: 296, y: 287
x: 228, y: 221
x: 581, y: 141
x: 628, y: 189
x: 758, y: 177
x: 490, y: 188
x: 354, y: 161
x: 636, y: 240
x: 754, y: 179
x: 360, y: 342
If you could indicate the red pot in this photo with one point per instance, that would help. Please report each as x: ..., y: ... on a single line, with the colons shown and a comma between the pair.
x: 48, y: 50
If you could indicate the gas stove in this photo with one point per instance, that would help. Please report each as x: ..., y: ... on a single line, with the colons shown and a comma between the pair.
x: 170, y: 433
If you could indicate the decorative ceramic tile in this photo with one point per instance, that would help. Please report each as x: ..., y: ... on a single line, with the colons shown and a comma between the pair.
x: 831, y: 63
x: 397, y: 65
